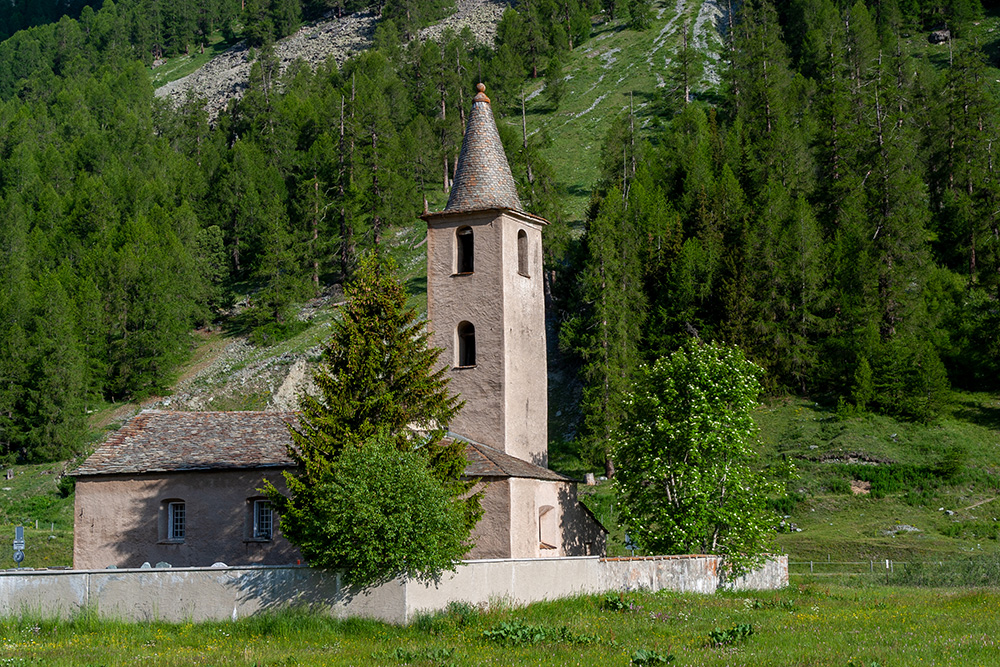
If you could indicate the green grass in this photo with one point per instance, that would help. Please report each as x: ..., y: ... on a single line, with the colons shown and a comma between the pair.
x: 32, y: 495
x: 838, y: 525
x: 179, y: 67
x: 616, y: 67
x: 804, y: 625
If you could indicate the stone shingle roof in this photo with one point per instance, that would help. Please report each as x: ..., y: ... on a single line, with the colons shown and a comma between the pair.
x: 167, y: 441
x: 482, y: 180
x: 156, y: 441
x: 485, y: 461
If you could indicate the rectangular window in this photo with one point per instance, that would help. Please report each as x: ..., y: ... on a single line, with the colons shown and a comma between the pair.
x: 175, y: 522
x: 263, y: 520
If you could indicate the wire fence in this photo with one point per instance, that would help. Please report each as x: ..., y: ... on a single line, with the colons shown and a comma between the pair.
x: 834, y: 568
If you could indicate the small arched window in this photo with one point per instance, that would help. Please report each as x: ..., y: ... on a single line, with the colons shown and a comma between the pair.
x: 522, y: 253
x: 466, y: 344
x: 465, y: 258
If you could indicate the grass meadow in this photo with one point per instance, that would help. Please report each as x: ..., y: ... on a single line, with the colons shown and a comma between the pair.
x: 863, y: 624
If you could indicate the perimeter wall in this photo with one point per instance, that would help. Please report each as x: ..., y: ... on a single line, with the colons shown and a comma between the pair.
x: 219, y: 593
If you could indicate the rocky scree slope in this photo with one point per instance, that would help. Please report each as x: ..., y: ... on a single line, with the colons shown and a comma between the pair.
x: 227, y: 76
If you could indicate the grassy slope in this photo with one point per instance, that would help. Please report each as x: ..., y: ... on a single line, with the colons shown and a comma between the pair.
x: 838, y: 525
x: 179, y: 67
x: 32, y: 495
x: 616, y: 68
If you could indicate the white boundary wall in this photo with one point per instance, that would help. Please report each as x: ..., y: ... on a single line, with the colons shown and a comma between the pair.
x: 197, y: 594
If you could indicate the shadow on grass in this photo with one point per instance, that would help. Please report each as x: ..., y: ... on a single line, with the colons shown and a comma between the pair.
x: 416, y: 286
x: 977, y: 413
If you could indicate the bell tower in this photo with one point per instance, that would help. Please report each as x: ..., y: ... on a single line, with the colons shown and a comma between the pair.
x: 485, y: 300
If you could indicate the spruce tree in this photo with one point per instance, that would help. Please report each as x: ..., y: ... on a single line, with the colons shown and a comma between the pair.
x: 382, y: 395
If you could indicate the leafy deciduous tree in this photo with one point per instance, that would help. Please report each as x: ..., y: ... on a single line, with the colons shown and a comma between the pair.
x: 686, y: 477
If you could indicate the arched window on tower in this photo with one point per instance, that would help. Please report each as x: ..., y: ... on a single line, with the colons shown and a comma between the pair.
x: 466, y: 344
x: 522, y: 253
x: 463, y: 238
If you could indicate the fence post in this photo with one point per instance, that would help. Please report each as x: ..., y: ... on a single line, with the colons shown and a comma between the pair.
x: 810, y: 567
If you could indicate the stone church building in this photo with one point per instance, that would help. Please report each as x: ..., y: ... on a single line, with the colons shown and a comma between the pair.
x: 181, y: 487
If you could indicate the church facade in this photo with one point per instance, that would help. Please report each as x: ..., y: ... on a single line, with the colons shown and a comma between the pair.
x: 180, y: 487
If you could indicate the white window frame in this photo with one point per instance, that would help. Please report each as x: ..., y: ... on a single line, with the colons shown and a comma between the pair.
x: 176, y: 521
x: 262, y: 526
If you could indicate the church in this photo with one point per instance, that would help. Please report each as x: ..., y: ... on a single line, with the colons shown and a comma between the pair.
x: 181, y: 487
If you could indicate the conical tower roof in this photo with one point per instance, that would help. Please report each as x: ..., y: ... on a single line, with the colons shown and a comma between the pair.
x: 482, y: 180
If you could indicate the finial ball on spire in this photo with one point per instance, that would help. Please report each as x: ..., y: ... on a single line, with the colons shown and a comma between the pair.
x: 481, y: 95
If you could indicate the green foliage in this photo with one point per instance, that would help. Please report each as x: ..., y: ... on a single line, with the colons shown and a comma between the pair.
x: 685, y: 455
x: 896, y: 478
x: 437, y: 655
x: 603, y: 334
x: 725, y: 637
x: 613, y: 602
x: 376, y: 513
x: 371, y: 496
x: 457, y: 616
x: 640, y: 14
x: 644, y: 657
x: 555, y: 86
x: 516, y: 633
x: 66, y: 486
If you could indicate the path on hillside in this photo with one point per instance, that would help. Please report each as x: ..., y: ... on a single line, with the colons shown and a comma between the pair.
x: 226, y: 76
x: 616, y: 69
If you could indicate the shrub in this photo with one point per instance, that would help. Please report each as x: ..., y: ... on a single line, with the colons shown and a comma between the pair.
x: 613, y: 602
x: 516, y: 633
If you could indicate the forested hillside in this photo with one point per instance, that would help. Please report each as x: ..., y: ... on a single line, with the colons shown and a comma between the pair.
x: 831, y: 205
x: 832, y: 208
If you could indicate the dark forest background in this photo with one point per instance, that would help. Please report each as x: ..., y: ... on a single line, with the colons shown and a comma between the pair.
x: 833, y: 208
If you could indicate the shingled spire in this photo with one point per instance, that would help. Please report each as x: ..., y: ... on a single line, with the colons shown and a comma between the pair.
x: 483, y: 179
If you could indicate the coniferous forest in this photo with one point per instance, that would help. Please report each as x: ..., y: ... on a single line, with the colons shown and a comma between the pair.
x: 832, y: 207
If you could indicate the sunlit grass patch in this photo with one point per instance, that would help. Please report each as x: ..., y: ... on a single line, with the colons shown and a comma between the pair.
x: 820, y: 625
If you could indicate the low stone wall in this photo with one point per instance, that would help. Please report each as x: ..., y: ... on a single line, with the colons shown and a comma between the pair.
x: 198, y: 594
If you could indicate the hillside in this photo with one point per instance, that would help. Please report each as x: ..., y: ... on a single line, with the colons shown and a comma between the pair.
x: 226, y: 76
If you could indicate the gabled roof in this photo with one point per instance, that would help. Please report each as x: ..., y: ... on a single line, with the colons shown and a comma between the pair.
x: 173, y: 441
x: 482, y: 179
x: 160, y: 441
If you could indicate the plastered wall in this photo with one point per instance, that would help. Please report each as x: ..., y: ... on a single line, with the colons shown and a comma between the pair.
x: 199, y: 594
x: 119, y: 520
x: 505, y: 393
x: 525, y: 364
